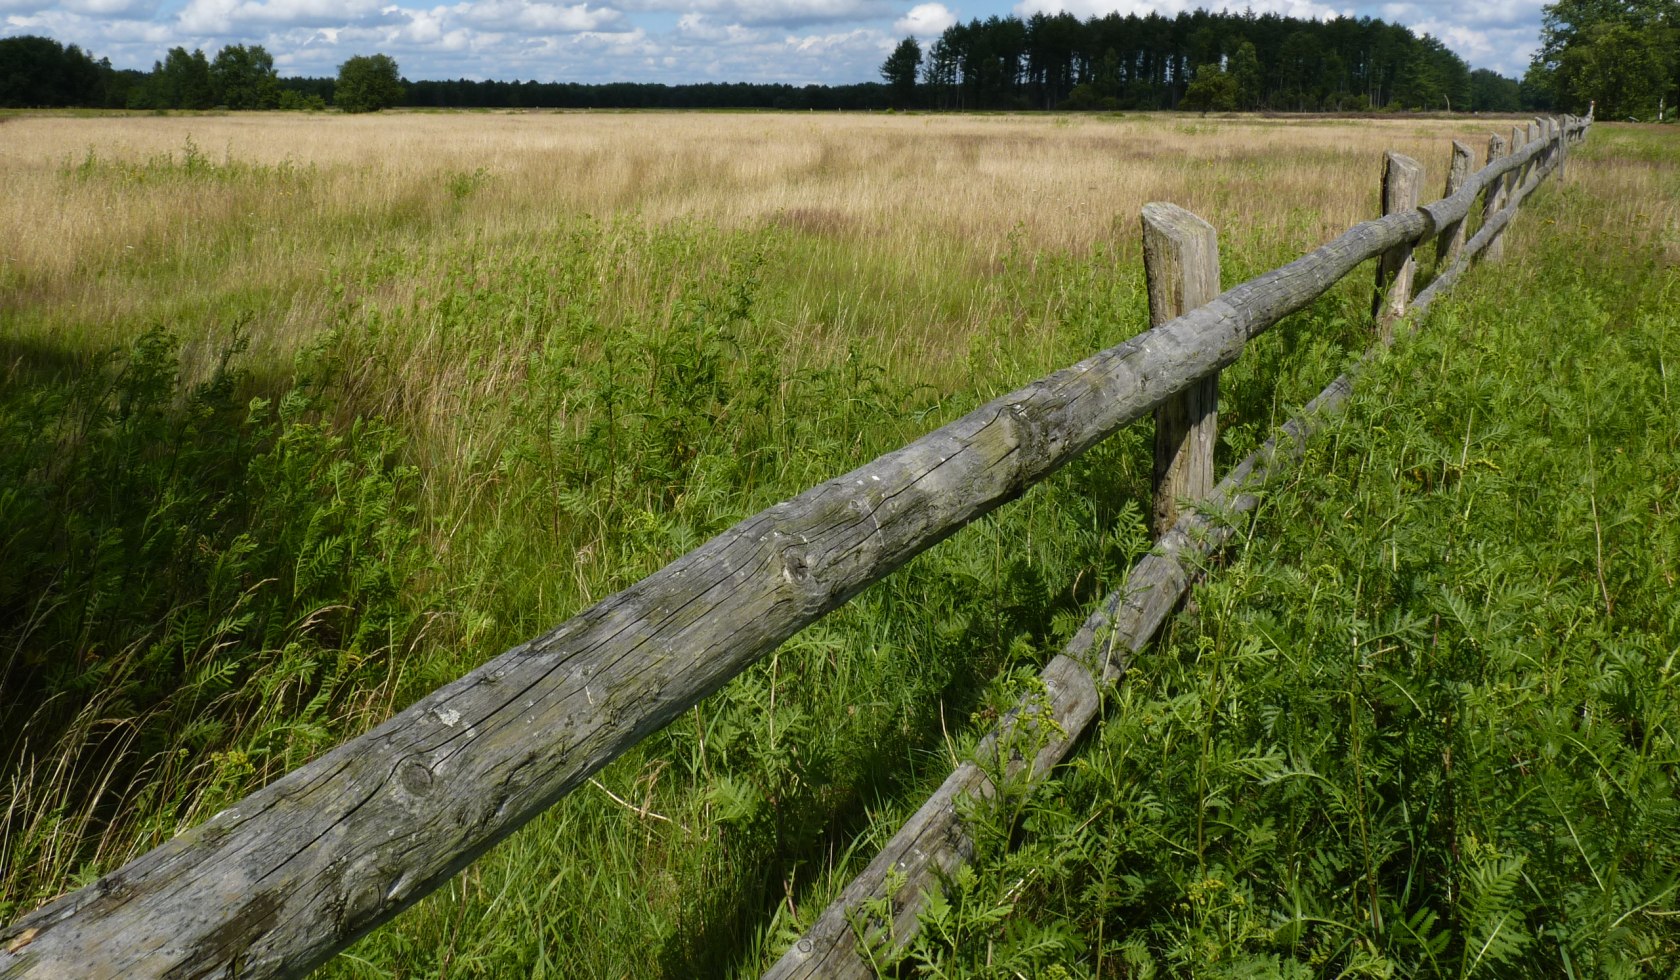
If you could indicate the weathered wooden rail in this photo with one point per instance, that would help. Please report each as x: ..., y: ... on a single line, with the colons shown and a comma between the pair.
x: 277, y: 883
x: 851, y: 935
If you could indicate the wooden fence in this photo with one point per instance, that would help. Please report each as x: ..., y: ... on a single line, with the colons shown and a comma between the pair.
x: 298, y: 870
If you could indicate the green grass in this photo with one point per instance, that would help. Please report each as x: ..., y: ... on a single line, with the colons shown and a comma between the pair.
x: 221, y: 563
x: 1424, y: 720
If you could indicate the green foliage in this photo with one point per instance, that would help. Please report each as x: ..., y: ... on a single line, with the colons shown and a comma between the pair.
x: 190, y: 166
x: 1493, y: 92
x: 1434, y: 78
x: 1623, y: 55
x: 1245, y: 71
x: 899, y: 71
x: 203, y: 591
x: 294, y: 101
x: 1212, y: 90
x: 1423, y: 723
x: 180, y: 81
x: 368, y: 83
x: 244, y: 78
x: 39, y: 72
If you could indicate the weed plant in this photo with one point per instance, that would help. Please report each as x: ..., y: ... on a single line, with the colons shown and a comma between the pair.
x: 1424, y: 722
x: 220, y: 561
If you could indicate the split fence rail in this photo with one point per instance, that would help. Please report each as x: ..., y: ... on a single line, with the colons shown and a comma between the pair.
x: 279, y: 882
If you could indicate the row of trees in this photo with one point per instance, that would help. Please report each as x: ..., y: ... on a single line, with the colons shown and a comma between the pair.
x: 643, y: 95
x: 1623, y: 55
x: 1216, y: 60
x: 40, y: 72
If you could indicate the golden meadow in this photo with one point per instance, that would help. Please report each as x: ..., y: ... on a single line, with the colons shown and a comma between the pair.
x: 307, y: 414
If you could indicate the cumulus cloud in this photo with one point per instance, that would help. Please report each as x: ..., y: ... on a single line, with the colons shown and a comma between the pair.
x: 1506, y: 50
x: 925, y: 20
x: 773, y: 12
x: 531, y: 18
x: 229, y: 16
x: 794, y: 41
x: 695, y: 27
x: 1083, y: 9
x: 132, y: 9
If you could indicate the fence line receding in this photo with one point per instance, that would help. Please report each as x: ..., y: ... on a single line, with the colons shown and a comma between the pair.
x: 279, y: 882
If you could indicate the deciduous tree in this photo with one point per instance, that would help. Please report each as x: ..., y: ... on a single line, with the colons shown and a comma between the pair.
x: 1213, y: 89
x: 244, y: 78
x: 182, y: 81
x: 368, y: 83
x: 1622, y: 54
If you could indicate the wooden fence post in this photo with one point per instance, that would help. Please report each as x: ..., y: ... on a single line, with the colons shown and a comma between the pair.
x: 1402, y: 186
x: 1494, y: 200
x: 1181, y: 263
x: 1562, y: 145
x: 1451, y: 239
x: 1519, y: 176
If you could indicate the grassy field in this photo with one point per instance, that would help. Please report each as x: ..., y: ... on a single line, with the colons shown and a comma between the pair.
x: 1425, y: 719
x: 302, y: 417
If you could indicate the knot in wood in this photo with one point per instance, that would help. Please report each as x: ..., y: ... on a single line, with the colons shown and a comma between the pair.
x: 416, y: 777
x: 795, y: 566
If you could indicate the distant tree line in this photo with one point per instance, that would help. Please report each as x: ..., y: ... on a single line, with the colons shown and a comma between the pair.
x: 1196, y: 60
x: 39, y: 72
x: 464, y: 93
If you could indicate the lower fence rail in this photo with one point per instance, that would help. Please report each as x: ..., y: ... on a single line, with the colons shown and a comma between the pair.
x: 300, y: 869
x: 877, y: 913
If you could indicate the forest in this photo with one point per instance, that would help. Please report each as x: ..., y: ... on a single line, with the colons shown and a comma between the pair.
x: 1624, y: 56
x: 1042, y: 62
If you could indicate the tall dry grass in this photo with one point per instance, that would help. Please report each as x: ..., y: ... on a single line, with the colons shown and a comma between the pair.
x: 286, y: 204
x: 444, y: 248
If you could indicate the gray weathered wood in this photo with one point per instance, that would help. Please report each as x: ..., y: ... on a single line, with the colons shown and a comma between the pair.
x: 1451, y: 237
x: 1495, y: 198
x: 278, y: 882
x: 1402, y: 186
x: 1485, y: 236
x: 1181, y: 265
x: 1563, y: 137
x: 1519, y: 141
x: 934, y: 841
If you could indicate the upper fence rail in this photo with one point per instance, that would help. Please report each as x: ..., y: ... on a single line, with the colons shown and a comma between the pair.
x: 878, y: 913
x: 301, y: 868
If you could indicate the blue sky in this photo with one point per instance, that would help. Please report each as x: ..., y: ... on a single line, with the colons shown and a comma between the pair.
x: 797, y: 41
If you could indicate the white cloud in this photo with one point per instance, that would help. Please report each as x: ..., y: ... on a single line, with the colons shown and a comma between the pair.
x: 205, y: 17
x: 793, y: 41
x: 1083, y: 9
x: 1506, y: 50
x: 925, y: 20
x: 134, y: 9
x: 528, y: 17
x: 695, y: 27
x: 780, y: 12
